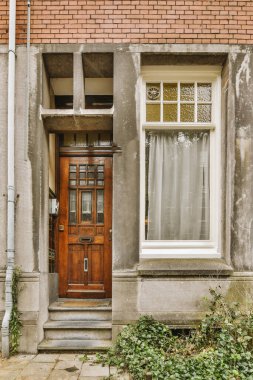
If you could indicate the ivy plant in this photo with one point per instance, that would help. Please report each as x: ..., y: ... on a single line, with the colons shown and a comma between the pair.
x: 15, y: 320
x: 221, y: 348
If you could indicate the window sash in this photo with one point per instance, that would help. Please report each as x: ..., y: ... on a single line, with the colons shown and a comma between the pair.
x: 190, y: 249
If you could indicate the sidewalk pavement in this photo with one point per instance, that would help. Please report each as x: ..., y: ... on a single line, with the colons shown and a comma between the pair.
x: 56, y: 367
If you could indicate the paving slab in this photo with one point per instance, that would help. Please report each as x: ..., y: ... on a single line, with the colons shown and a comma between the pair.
x: 94, y: 370
x: 68, y: 365
x: 46, y: 358
x: 69, y: 356
x: 9, y: 375
x: 62, y: 375
x: 21, y: 357
x: 37, y: 369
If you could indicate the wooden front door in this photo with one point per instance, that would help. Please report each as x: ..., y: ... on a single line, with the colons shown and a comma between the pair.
x: 85, y: 227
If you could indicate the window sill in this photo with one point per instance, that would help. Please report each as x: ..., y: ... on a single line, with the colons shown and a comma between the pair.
x: 182, y: 267
x: 179, y: 249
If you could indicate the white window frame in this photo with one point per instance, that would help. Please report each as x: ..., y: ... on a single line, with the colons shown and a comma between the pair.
x: 158, y: 249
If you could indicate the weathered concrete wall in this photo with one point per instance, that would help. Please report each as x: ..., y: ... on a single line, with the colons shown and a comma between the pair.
x: 126, y: 164
x: 175, y: 294
x: 242, y: 232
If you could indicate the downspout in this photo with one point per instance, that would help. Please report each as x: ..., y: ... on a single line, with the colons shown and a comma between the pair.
x: 11, y: 181
x: 28, y: 44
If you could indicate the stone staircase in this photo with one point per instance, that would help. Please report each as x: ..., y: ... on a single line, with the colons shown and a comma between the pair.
x: 78, y: 325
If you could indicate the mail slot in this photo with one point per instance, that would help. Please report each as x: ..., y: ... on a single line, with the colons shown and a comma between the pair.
x: 86, y: 239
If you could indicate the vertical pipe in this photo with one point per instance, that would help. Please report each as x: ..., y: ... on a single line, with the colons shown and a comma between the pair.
x: 28, y: 39
x: 11, y: 181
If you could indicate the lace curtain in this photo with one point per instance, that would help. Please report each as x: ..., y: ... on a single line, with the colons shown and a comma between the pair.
x: 178, y: 204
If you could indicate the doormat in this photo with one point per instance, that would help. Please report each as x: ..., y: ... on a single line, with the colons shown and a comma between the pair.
x: 86, y: 303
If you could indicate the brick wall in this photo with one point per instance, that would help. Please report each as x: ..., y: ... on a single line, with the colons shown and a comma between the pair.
x: 136, y: 21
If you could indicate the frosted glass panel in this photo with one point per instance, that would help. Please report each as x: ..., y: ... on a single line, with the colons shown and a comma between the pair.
x: 170, y: 112
x: 72, y: 207
x: 153, y: 91
x: 187, y: 92
x: 204, y: 92
x: 153, y: 112
x: 100, y: 206
x: 187, y: 113
x: 204, y: 113
x: 86, y: 211
x: 170, y: 91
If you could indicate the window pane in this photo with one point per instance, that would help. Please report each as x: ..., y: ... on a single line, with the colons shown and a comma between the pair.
x: 177, y: 185
x: 170, y: 112
x: 170, y: 91
x: 81, y: 139
x: 72, y: 207
x: 204, y: 113
x: 86, y: 210
x: 187, y: 91
x: 100, y: 206
x: 204, y: 92
x: 187, y: 113
x: 69, y: 139
x: 153, y: 112
x: 153, y: 91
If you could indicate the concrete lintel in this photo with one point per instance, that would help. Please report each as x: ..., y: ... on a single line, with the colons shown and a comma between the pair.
x: 142, y: 48
x: 78, y: 84
x: 70, y: 123
x: 181, y: 267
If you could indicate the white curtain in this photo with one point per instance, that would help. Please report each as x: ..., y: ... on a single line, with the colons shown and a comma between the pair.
x: 178, y: 186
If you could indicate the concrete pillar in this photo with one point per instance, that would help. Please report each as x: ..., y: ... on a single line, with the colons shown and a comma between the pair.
x: 126, y: 164
x: 78, y: 82
x: 242, y: 228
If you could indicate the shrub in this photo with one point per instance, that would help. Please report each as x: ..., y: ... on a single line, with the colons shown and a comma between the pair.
x: 220, y: 348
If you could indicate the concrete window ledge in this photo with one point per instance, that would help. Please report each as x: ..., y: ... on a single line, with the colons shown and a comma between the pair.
x: 184, y: 267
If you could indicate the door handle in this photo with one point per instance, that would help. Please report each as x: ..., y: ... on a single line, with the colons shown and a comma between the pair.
x: 110, y: 234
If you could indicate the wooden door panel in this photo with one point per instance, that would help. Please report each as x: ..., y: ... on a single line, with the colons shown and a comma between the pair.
x: 85, y: 223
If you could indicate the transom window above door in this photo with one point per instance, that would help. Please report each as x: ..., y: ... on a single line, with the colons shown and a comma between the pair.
x: 180, y: 163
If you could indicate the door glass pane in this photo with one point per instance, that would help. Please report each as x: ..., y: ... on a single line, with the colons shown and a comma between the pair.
x: 72, y: 206
x: 100, y: 206
x: 177, y: 185
x: 86, y: 209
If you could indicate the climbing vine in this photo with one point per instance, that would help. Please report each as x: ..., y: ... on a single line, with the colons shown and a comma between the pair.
x: 15, y: 320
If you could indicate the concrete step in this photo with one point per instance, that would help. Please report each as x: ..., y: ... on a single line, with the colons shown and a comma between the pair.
x: 74, y: 345
x: 77, y: 310
x: 80, y: 314
x: 87, y: 330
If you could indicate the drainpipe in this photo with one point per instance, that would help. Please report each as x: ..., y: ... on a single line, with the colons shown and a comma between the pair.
x: 28, y: 44
x: 11, y: 184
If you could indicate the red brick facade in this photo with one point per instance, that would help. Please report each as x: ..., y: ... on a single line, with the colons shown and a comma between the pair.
x: 135, y: 21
